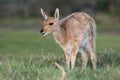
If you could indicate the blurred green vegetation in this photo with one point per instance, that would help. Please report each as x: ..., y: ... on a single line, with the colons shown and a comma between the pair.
x: 105, y: 23
x: 31, y: 8
x: 22, y: 21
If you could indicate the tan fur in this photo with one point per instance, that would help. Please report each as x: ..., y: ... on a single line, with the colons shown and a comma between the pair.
x: 75, y: 33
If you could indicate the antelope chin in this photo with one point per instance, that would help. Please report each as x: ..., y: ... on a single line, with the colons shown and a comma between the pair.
x: 45, y: 33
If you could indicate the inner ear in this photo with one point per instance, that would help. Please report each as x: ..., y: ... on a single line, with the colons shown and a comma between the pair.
x: 43, y: 14
x: 56, y: 15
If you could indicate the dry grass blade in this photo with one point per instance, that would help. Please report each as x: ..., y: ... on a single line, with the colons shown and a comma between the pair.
x: 64, y: 77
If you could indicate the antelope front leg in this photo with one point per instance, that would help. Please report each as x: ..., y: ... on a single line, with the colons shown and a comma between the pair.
x: 73, y: 59
x: 84, y: 59
x: 74, y: 52
x: 67, y: 55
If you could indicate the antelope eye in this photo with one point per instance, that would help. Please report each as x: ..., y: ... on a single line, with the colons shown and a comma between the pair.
x: 51, y: 23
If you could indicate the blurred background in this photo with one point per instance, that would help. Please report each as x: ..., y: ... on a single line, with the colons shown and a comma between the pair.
x: 27, y: 12
x: 31, y: 8
x: 21, y: 20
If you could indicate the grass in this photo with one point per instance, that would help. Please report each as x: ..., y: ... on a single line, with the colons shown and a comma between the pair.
x: 107, y: 23
x: 30, y: 69
x: 26, y: 55
x: 25, y: 42
x: 20, y: 21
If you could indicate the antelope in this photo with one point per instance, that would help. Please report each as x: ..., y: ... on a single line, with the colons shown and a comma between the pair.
x: 74, y: 33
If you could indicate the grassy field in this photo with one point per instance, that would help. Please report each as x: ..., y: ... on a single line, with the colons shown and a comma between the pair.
x: 26, y: 55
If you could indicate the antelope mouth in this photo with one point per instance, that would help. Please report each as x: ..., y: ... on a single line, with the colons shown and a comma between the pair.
x: 45, y: 33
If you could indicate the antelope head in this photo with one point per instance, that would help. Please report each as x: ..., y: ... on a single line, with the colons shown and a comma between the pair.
x: 49, y: 23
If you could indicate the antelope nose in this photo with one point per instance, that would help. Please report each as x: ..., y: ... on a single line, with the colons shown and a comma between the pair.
x: 41, y: 31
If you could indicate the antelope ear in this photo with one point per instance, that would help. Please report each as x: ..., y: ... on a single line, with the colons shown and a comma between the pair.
x: 56, y: 14
x: 43, y: 14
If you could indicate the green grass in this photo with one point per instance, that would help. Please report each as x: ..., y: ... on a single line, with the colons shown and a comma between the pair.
x: 107, y: 23
x: 20, y: 21
x: 26, y: 55
x: 30, y: 69
x: 26, y: 42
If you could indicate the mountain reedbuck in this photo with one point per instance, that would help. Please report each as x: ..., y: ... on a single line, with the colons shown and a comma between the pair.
x: 74, y: 33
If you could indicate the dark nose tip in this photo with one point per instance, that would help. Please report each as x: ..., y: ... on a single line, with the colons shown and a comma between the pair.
x: 41, y: 30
